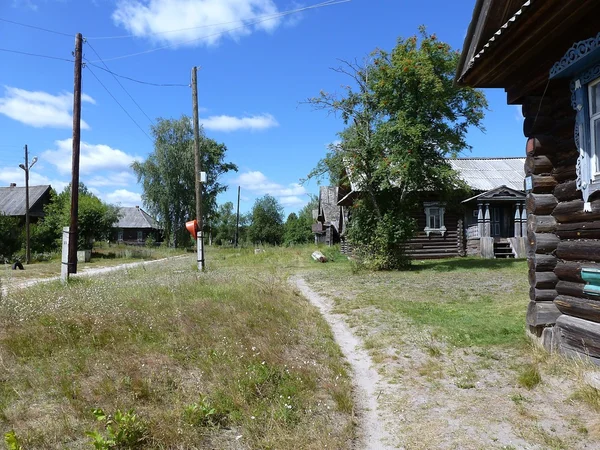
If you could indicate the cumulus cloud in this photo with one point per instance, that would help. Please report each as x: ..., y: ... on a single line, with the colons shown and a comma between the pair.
x: 15, y: 175
x: 93, y: 157
x: 122, y: 178
x: 123, y: 197
x: 195, y: 22
x: 231, y: 123
x: 40, y: 109
x: 259, y: 184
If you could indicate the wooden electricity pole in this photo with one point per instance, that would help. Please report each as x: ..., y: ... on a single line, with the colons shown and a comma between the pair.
x: 198, y: 169
x: 75, y: 158
x: 27, y: 236
x: 237, y: 220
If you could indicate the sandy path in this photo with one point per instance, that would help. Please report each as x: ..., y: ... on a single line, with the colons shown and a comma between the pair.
x: 367, y: 382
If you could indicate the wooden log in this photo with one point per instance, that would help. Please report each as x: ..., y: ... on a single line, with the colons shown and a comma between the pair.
x: 538, y: 125
x: 540, y: 203
x: 578, y: 307
x: 572, y: 289
x: 567, y: 191
x: 579, y: 335
x: 570, y: 270
x: 541, y: 224
x: 564, y: 173
x: 542, y: 295
x: 542, y: 184
x: 542, y: 263
x: 573, y: 211
x: 579, y: 250
x: 543, y: 242
x: 541, y: 145
x: 536, y: 165
x: 542, y: 280
x: 579, y: 230
x: 541, y: 314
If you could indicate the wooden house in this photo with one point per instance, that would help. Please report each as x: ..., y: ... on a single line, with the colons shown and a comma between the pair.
x: 12, y: 201
x: 134, y: 227
x: 546, y: 56
x: 488, y: 222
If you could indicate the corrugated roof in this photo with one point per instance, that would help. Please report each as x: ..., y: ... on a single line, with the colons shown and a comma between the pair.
x: 135, y: 217
x: 12, y: 199
x: 483, y: 174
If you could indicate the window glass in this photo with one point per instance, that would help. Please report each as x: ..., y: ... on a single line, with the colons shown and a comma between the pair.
x: 434, y: 218
x: 594, y: 98
x: 139, y: 236
x: 596, y: 127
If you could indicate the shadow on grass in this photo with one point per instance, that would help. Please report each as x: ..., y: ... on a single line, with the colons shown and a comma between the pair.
x: 450, y: 265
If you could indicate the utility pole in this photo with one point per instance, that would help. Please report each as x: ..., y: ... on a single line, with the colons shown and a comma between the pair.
x: 26, y: 168
x: 198, y: 169
x: 237, y: 220
x: 72, y: 264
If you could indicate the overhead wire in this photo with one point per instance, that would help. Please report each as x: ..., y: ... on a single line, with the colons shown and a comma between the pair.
x: 118, y: 103
x: 285, y: 13
x: 36, y: 27
x: 35, y: 54
x: 120, y: 84
x: 263, y: 17
x: 133, y: 79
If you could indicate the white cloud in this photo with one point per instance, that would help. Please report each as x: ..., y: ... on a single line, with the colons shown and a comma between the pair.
x: 40, y: 109
x: 197, y: 22
x: 519, y: 113
x: 123, y: 197
x: 292, y: 201
x: 93, y: 157
x: 122, y: 178
x: 231, y: 123
x: 259, y: 184
x: 16, y: 175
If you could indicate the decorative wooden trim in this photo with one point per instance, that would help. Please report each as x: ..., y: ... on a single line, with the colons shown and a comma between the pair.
x: 579, y: 51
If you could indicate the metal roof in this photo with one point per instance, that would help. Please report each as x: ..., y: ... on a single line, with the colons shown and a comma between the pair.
x: 12, y: 199
x: 135, y: 217
x: 484, y: 174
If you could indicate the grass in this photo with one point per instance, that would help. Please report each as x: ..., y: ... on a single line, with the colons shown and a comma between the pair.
x: 225, y: 359
x: 529, y: 377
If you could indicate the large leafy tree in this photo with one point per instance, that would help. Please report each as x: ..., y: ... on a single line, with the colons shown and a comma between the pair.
x: 168, y: 178
x: 10, y: 241
x: 404, y: 116
x: 267, y: 221
x: 298, y: 227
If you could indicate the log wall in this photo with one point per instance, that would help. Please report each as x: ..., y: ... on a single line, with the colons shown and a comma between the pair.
x: 561, y: 238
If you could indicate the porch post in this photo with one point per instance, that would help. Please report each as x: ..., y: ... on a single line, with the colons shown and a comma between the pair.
x: 523, y: 220
x: 480, y: 219
x: 487, y: 232
x: 517, y: 220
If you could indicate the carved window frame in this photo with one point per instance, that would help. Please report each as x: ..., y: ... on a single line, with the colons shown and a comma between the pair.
x: 429, y: 208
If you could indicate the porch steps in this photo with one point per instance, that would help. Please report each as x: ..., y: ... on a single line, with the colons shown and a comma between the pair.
x: 433, y: 247
x: 503, y: 250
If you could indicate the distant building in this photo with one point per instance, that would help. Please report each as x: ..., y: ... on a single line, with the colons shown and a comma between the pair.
x: 12, y: 201
x: 328, y: 217
x: 134, y: 227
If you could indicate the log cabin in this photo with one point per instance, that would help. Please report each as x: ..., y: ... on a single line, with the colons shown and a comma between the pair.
x: 487, y: 220
x: 546, y: 56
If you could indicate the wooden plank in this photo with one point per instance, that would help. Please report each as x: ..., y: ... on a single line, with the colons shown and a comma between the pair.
x: 579, y: 335
x: 573, y: 211
x: 588, y: 309
x: 542, y: 314
x: 540, y: 204
x: 579, y: 250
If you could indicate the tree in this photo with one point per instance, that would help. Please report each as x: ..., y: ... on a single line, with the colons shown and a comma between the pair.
x: 168, y: 176
x: 10, y: 241
x: 298, y: 227
x: 95, y: 220
x: 267, y: 221
x: 404, y: 117
x: 224, y: 224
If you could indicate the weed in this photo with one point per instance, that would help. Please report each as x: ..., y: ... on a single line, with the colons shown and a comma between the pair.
x: 123, y: 430
x: 204, y: 414
x: 588, y: 394
x: 12, y: 441
x: 529, y: 377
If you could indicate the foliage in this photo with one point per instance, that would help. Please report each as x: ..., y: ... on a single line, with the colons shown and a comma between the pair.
x: 95, y: 220
x: 12, y: 441
x: 168, y: 176
x: 223, y: 226
x: 125, y: 430
x: 298, y: 227
x: 267, y: 221
x: 204, y: 414
x: 403, y: 118
x: 10, y: 240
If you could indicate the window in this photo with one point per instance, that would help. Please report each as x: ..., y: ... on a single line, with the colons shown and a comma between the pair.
x: 594, y: 124
x: 434, y: 218
x: 140, y: 236
x: 120, y: 235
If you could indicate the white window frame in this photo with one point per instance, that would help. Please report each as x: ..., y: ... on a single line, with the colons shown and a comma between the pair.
x: 140, y: 236
x: 595, y: 152
x: 120, y: 235
x: 429, y: 207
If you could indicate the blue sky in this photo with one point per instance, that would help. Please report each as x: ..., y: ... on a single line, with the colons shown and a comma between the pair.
x: 254, y: 76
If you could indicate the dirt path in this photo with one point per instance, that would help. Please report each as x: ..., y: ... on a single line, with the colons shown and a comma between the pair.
x: 368, y: 384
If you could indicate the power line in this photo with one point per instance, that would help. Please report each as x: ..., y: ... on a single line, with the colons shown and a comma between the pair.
x: 263, y: 17
x: 120, y: 84
x: 35, y: 54
x: 285, y: 13
x: 37, y: 28
x: 118, y: 103
x: 134, y: 80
